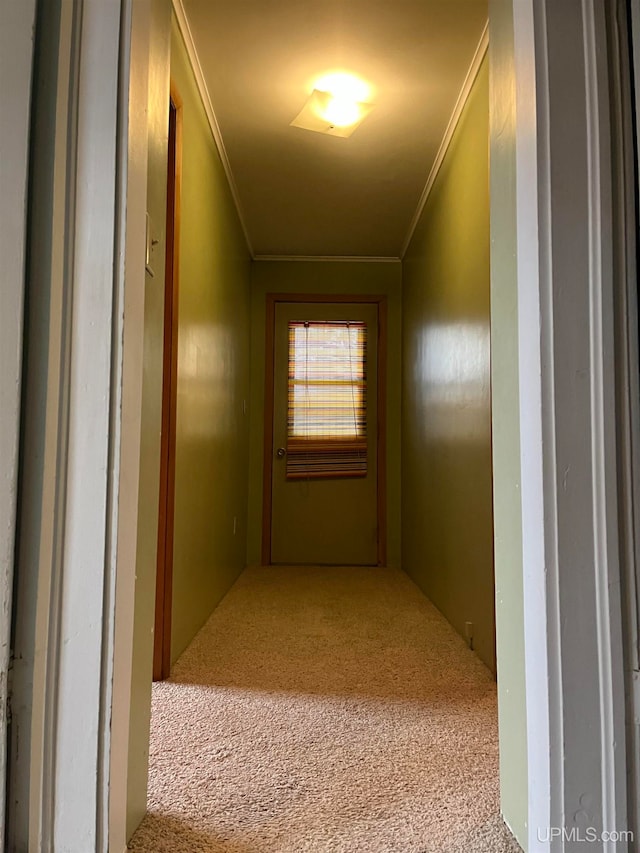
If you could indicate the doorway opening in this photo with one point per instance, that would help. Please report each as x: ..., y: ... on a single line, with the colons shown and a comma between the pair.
x: 164, y: 581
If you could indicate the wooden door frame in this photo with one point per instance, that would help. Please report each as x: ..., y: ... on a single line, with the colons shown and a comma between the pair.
x: 164, y: 576
x: 272, y: 300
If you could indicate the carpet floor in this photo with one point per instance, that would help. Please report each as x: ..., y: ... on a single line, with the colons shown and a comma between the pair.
x: 330, y: 711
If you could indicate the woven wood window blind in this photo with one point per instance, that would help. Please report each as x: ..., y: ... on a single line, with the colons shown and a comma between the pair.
x: 327, y: 400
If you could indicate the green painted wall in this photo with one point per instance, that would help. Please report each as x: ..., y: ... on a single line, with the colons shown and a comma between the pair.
x: 442, y: 292
x: 148, y: 496
x: 506, y: 426
x: 213, y: 382
x: 447, y: 525
x: 350, y: 277
x: 213, y: 375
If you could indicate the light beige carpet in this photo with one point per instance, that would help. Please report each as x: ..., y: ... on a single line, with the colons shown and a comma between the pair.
x: 329, y: 711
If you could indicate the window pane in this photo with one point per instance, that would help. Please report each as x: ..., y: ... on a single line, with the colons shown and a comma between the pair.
x: 328, y: 410
x: 327, y: 398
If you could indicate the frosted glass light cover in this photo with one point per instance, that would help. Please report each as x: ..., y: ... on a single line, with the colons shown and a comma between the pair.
x: 323, y: 111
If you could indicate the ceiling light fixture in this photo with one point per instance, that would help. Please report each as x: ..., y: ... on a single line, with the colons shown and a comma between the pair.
x: 336, y: 105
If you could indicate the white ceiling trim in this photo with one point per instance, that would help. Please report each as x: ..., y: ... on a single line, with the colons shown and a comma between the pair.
x: 469, y: 80
x: 329, y: 258
x: 192, y: 53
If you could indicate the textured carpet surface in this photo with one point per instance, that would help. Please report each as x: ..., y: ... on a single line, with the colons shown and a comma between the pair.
x: 330, y: 711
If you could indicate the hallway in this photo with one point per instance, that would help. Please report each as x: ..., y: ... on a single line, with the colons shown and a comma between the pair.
x: 164, y: 191
x: 325, y: 709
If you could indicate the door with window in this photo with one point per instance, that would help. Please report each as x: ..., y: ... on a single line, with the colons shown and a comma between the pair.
x: 324, y: 445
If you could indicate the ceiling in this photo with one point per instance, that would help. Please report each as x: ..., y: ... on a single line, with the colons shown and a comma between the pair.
x: 309, y: 194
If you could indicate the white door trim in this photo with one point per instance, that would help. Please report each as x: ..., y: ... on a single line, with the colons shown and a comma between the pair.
x: 573, y: 624
x: 71, y: 690
x: 134, y: 148
x: 16, y: 60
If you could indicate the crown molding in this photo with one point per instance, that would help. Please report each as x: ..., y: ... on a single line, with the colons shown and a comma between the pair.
x: 465, y: 91
x: 187, y: 37
x: 358, y: 259
x: 472, y: 73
